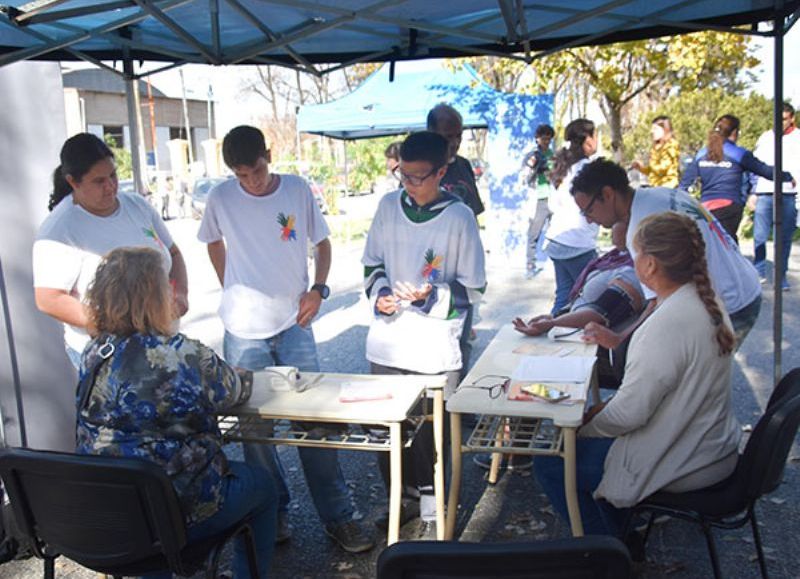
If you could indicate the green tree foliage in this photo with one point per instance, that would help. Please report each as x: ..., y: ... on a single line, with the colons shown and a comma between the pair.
x: 366, y: 162
x: 693, y: 114
x: 122, y: 158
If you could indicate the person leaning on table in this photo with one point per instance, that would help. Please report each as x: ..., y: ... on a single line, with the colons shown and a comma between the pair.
x: 156, y: 397
x: 89, y: 218
x: 671, y: 424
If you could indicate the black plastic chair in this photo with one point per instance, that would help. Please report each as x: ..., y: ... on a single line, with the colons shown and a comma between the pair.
x: 116, y: 516
x: 730, y: 504
x: 593, y: 557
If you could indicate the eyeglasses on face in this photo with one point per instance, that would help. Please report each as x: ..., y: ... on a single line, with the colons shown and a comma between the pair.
x: 586, y: 211
x: 495, y: 385
x: 413, y: 180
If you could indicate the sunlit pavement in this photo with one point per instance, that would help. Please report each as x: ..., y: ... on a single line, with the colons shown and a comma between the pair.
x: 514, y: 509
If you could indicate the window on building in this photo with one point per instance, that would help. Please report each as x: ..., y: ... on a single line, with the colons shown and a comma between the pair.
x: 114, y: 134
x: 177, y: 133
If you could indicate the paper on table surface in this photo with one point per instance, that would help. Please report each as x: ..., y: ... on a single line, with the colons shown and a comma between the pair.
x: 553, y: 368
x: 363, y: 392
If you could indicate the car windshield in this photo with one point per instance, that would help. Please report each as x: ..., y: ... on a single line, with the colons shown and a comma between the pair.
x: 202, y: 187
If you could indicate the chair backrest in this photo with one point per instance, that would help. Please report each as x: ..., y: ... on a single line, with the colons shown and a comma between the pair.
x: 789, y: 385
x: 764, y: 458
x: 102, y: 512
x: 593, y: 557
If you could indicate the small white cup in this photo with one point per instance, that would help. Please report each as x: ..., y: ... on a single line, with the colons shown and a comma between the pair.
x: 283, y: 378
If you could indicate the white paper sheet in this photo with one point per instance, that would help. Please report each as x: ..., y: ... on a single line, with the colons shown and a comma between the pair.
x: 553, y: 368
x: 364, y: 392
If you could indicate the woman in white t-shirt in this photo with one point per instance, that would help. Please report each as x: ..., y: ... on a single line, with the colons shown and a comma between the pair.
x: 571, y: 240
x: 88, y: 219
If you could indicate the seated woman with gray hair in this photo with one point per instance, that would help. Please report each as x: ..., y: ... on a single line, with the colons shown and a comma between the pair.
x: 149, y: 392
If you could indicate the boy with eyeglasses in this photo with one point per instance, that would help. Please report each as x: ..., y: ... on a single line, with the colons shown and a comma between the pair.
x: 423, y: 268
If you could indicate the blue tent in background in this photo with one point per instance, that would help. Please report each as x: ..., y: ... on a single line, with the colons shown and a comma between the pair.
x: 389, y: 106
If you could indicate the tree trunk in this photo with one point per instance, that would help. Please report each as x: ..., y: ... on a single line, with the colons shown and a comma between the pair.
x: 613, y: 113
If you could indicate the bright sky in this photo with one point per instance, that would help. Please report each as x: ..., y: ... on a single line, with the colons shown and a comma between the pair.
x: 791, y: 72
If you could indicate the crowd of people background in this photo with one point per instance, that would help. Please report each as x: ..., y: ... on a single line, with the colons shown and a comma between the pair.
x: 106, y: 266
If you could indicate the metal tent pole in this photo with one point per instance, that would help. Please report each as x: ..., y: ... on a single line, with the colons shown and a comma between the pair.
x: 23, y: 436
x: 777, y: 205
x: 133, y: 121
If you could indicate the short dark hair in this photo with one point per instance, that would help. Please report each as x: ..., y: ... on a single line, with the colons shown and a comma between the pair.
x: 600, y: 173
x: 441, y: 112
x: 425, y: 146
x: 545, y: 130
x: 243, y: 145
x: 788, y: 108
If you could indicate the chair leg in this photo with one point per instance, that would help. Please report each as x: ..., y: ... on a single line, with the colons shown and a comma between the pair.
x: 252, y: 555
x: 712, y: 549
x: 762, y: 562
x: 49, y: 567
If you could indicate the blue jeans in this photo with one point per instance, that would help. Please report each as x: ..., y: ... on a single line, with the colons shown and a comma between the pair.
x: 744, y: 320
x: 294, y: 346
x: 567, y: 272
x: 599, y: 517
x: 247, y: 492
x: 762, y: 226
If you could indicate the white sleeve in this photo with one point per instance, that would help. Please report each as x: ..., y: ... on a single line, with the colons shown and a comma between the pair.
x: 210, y: 231
x: 375, y: 277
x: 56, y: 265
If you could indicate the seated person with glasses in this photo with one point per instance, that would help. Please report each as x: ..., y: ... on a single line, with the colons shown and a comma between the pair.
x: 147, y: 391
x: 423, y: 268
x: 607, y: 292
x: 671, y: 425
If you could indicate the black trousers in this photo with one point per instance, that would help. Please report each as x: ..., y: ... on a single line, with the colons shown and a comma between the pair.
x: 730, y: 217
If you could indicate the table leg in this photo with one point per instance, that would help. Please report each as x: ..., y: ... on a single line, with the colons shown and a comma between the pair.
x: 497, y: 457
x: 396, y: 481
x: 455, y: 475
x: 570, y: 483
x: 438, y: 466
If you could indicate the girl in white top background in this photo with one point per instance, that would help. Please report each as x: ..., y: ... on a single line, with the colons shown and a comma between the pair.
x: 571, y: 240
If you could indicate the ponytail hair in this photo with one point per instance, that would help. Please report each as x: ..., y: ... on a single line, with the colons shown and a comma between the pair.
x: 572, y: 152
x: 78, y: 155
x: 674, y: 240
x: 723, y: 129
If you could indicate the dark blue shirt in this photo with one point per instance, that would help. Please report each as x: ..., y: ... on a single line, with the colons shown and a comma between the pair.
x: 723, y: 180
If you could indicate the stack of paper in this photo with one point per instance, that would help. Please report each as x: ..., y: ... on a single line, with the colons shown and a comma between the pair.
x: 363, y: 392
x: 553, y: 369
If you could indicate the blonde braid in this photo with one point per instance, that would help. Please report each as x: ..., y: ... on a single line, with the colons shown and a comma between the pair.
x: 705, y: 291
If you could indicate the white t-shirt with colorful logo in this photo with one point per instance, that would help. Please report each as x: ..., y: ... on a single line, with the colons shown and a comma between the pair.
x: 266, y: 264
x: 443, y: 249
x: 71, y: 241
x: 734, y: 278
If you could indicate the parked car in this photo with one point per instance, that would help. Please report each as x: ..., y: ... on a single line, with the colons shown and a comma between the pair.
x: 202, y: 187
x: 126, y: 186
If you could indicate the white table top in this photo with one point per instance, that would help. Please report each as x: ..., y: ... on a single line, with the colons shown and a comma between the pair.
x: 320, y: 402
x: 499, y: 358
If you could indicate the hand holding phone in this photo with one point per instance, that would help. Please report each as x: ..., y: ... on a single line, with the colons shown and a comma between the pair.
x: 545, y: 392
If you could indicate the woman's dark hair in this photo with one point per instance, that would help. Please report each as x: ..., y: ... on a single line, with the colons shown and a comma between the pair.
x: 723, y: 129
x: 393, y: 151
x: 78, y: 155
x: 425, y: 146
x: 575, y: 134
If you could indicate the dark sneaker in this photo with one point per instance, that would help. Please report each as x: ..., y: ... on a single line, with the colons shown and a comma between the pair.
x: 350, y: 536
x: 283, y: 532
x: 408, y: 512
x: 426, y: 531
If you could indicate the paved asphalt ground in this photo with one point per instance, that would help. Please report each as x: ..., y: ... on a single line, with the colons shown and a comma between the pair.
x: 514, y: 509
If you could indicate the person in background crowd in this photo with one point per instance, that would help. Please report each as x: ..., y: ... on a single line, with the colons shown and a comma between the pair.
x: 719, y: 167
x: 88, y: 219
x: 571, y: 239
x: 763, y: 189
x: 664, y: 165
x: 148, y: 392
x: 257, y: 228
x: 392, y: 154
x: 671, y: 426
x: 537, y: 164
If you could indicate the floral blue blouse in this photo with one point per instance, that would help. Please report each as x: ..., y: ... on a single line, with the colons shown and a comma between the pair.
x: 156, y: 398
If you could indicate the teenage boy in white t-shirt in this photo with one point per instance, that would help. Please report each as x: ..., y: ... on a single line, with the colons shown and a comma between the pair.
x: 257, y: 228
x: 423, y: 269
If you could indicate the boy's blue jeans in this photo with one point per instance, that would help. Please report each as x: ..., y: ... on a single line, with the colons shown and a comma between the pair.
x: 567, y: 272
x: 248, y: 492
x: 294, y: 346
x: 599, y: 517
x: 762, y: 227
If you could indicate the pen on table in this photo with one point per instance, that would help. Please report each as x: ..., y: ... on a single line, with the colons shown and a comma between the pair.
x: 565, y: 352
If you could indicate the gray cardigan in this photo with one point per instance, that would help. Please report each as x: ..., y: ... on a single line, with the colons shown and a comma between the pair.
x: 672, y: 416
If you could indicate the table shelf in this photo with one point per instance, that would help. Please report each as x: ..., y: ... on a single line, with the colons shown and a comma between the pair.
x: 515, y: 435
x: 340, y: 436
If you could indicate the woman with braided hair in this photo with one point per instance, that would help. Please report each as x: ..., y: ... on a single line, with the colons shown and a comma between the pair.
x: 671, y: 424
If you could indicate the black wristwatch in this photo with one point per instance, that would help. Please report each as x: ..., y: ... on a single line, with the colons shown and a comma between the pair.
x: 323, y: 290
